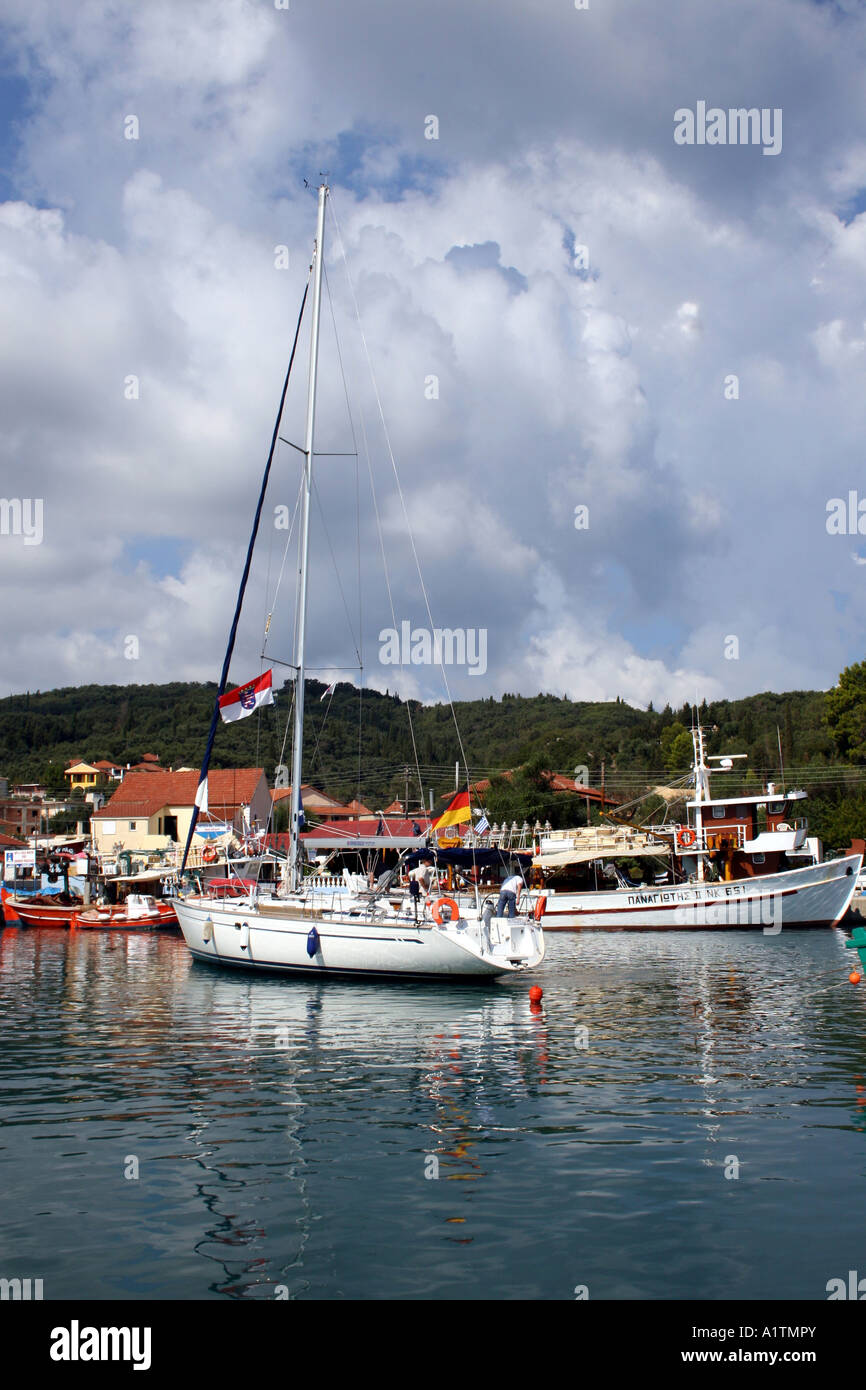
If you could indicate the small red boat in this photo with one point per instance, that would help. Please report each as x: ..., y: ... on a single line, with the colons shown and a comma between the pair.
x: 42, y: 909
x: 138, y: 911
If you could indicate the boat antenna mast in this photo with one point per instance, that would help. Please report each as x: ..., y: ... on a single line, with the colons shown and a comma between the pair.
x: 295, y: 860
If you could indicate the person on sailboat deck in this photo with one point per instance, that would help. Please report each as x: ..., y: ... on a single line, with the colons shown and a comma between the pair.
x: 509, y: 896
x: 421, y: 877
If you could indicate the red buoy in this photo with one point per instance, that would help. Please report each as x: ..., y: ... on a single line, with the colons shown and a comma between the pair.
x: 854, y: 977
x: 536, y: 994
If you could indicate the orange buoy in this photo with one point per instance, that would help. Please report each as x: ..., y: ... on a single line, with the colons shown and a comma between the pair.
x: 854, y: 977
x: 536, y: 994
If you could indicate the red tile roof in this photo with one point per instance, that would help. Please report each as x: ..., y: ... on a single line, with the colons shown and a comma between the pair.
x: 318, y: 803
x: 557, y: 782
x: 144, y: 793
x: 369, y: 825
x: 308, y: 793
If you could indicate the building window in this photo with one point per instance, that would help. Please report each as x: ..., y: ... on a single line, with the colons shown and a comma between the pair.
x: 133, y: 824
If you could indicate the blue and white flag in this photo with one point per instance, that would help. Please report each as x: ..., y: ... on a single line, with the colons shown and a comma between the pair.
x: 482, y: 825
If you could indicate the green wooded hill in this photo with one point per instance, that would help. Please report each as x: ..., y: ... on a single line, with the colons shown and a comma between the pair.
x: 358, y: 744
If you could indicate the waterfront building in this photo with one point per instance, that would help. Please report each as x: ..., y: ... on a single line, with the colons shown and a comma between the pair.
x: 151, y: 810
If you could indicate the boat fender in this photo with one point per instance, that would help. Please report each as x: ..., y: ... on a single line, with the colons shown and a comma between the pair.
x: 437, y: 910
x: 207, y: 931
x: 539, y: 907
x: 312, y: 942
x: 686, y: 837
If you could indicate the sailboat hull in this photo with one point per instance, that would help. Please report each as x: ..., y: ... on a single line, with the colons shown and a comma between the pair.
x: 239, y: 935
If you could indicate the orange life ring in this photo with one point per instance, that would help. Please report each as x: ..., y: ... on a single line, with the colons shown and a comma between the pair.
x: 437, y: 910
x: 209, y: 855
x: 540, y: 905
x: 686, y: 837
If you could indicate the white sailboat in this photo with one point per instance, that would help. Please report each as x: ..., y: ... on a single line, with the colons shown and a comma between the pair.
x: 355, y: 935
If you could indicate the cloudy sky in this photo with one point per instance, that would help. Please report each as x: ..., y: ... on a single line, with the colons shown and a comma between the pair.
x: 671, y: 336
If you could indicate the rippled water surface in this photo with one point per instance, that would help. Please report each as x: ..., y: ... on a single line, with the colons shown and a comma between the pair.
x: 284, y: 1130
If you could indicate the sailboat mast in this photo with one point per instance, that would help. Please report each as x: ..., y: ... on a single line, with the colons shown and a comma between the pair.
x: 295, y: 864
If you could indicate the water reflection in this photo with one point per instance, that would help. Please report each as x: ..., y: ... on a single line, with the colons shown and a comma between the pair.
x: 285, y: 1129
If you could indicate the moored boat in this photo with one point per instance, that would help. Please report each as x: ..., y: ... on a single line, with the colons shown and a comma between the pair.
x: 42, y: 909
x: 292, y: 929
x: 735, y: 862
x: 267, y: 934
x: 139, y: 911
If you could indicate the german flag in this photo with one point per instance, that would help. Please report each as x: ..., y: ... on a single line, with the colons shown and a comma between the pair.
x: 456, y: 811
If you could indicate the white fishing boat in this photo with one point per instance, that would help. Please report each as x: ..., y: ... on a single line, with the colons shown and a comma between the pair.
x: 736, y: 862
x: 292, y: 928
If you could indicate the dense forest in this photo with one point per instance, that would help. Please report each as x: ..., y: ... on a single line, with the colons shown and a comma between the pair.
x: 368, y: 744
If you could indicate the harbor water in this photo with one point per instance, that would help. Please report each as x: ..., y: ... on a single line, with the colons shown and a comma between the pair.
x: 683, y: 1117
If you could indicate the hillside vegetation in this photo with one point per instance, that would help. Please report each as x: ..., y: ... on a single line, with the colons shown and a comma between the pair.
x: 359, y: 744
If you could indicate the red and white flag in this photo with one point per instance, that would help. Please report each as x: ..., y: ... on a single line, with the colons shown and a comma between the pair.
x: 237, y: 704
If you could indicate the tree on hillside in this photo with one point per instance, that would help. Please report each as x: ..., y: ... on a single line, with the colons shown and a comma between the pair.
x: 52, y: 778
x: 676, y: 743
x: 845, y: 713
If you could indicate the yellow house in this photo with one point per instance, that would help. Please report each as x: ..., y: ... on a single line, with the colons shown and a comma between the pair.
x: 151, y: 810
x: 82, y: 775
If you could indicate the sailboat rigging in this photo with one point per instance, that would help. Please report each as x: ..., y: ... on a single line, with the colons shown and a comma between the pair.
x: 354, y: 933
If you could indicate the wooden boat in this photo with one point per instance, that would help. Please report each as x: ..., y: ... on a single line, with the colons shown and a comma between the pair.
x: 727, y: 867
x: 42, y: 909
x: 139, y: 911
